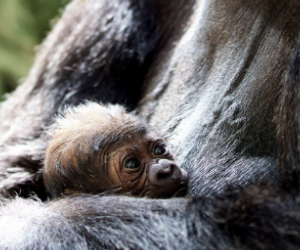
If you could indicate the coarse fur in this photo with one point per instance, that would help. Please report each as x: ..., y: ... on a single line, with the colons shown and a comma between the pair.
x: 219, y: 79
x: 255, y: 218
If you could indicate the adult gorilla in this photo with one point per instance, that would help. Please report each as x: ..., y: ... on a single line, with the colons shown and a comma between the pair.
x: 213, y: 77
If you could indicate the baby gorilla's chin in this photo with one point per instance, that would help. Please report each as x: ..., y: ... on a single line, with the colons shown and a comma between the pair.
x: 182, y: 190
x: 176, y: 190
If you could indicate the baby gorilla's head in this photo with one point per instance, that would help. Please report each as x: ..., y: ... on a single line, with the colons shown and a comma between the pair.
x: 96, y: 148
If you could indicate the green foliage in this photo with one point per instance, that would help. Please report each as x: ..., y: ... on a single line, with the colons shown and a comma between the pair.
x: 23, y: 25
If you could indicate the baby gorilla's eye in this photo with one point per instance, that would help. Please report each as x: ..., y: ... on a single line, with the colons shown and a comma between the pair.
x: 132, y: 163
x: 159, y: 150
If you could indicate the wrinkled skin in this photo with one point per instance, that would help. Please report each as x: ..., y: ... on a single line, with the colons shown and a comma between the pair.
x: 219, y: 79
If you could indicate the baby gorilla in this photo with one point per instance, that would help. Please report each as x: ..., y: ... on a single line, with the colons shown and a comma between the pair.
x: 96, y: 148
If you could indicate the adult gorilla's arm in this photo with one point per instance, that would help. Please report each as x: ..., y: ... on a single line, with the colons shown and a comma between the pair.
x: 250, y: 219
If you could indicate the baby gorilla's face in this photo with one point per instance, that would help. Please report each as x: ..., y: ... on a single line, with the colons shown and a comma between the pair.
x: 146, y: 168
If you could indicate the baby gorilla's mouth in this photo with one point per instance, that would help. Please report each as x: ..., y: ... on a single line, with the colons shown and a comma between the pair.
x: 175, y: 190
x: 182, y: 191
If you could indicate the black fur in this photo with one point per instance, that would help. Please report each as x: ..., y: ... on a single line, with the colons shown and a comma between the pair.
x: 289, y: 126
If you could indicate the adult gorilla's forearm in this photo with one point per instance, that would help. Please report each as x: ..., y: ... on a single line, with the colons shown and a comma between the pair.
x: 250, y: 219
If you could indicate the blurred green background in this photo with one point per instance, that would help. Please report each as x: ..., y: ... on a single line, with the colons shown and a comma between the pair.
x: 23, y: 25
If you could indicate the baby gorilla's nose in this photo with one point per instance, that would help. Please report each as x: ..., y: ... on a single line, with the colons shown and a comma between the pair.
x: 165, y: 177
